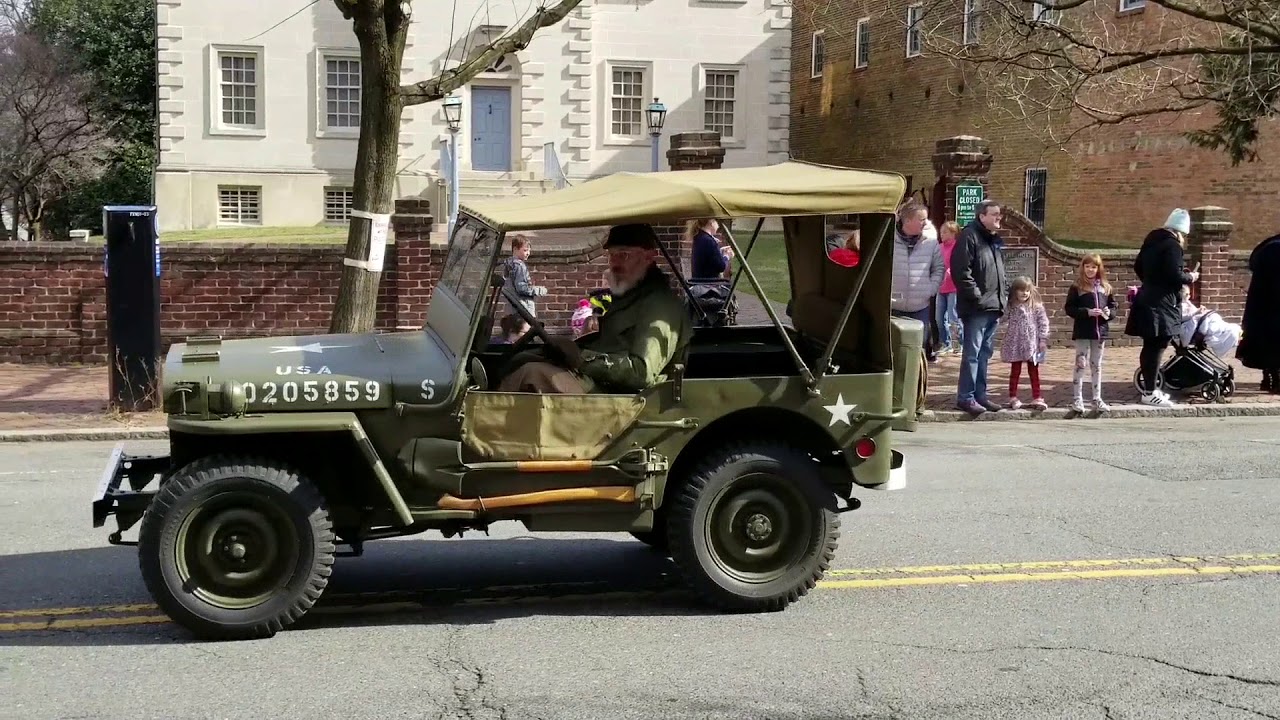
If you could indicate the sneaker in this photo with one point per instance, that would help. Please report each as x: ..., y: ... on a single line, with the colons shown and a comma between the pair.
x: 993, y: 407
x: 1039, y: 404
x: 972, y: 407
x: 1077, y: 405
x: 1156, y: 399
x: 1100, y: 406
x: 1014, y: 404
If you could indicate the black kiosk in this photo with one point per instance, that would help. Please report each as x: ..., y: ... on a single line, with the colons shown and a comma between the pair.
x: 131, y: 264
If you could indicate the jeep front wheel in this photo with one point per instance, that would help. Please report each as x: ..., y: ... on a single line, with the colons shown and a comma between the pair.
x: 234, y: 549
x: 753, y: 528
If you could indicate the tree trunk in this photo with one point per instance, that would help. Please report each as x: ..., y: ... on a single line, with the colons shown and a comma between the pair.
x: 381, y: 31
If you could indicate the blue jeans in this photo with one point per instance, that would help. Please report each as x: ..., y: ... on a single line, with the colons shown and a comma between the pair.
x: 945, y: 315
x: 979, y: 343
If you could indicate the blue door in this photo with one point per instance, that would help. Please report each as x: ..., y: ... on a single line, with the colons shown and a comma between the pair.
x: 491, y: 128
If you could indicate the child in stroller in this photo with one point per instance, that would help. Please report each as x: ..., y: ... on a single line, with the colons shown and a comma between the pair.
x: 1196, y: 366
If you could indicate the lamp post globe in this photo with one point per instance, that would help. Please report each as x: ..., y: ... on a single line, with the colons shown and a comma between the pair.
x: 655, y: 116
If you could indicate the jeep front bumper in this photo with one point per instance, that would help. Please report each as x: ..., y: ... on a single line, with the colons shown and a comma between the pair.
x: 127, y: 505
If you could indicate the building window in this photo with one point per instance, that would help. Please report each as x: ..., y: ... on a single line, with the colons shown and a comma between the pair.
x: 818, y: 56
x: 972, y: 21
x: 342, y: 92
x: 1034, y: 203
x: 238, y: 89
x: 914, y: 33
x: 239, y: 205
x: 1132, y: 4
x: 627, y: 102
x: 862, y: 44
x: 337, y: 204
x: 720, y: 98
x: 1040, y: 12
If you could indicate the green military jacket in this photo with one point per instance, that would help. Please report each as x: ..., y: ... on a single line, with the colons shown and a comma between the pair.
x: 639, y: 335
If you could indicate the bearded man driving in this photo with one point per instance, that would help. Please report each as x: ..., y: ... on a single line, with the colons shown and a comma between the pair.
x: 645, y: 327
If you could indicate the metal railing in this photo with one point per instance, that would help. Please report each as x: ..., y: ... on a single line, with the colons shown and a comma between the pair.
x: 551, y: 169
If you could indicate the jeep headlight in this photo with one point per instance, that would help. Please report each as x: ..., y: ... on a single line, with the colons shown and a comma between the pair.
x: 227, y: 398
x: 233, y: 398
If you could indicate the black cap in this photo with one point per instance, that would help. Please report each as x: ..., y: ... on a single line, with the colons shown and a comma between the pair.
x: 640, y: 235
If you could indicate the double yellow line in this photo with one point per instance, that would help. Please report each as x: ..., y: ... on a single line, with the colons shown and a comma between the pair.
x: 1049, y: 570
x: 106, y: 616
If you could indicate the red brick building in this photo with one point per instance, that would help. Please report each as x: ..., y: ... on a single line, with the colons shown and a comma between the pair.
x: 879, y: 104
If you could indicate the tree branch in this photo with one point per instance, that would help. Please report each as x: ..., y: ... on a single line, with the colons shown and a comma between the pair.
x: 454, y: 78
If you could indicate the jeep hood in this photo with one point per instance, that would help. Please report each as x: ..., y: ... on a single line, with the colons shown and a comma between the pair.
x: 313, y: 372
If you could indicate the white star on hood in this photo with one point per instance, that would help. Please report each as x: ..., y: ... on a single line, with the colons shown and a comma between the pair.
x: 840, y: 411
x: 314, y: 347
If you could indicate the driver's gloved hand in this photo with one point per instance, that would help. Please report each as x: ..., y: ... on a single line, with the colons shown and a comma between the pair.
x: 566, y: 350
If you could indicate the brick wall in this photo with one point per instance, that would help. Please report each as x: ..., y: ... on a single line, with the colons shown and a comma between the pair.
x: 1058, y: 267
x: 55, y: 312
x: 1108, y: 186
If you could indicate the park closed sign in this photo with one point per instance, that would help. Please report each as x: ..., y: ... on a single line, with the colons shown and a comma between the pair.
x: 968, y: 195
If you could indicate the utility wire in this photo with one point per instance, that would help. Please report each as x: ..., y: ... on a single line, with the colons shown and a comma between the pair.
x: 295, y: 14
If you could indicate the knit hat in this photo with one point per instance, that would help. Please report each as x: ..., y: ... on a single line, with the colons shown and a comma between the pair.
x: 1179, y: 220
x: 639, y: 235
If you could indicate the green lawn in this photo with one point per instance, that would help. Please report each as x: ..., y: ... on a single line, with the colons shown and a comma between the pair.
x: 769, y: 262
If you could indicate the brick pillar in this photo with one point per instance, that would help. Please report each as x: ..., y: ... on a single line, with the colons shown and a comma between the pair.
x: 1209, y: 244
x: 957, y: 160
x: 414, y: 272
x: 689, y: 151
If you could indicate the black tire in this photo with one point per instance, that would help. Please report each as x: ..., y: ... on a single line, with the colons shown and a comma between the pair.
x: 270, y: 514
x: 765, y: 489
x: 1138, y: 376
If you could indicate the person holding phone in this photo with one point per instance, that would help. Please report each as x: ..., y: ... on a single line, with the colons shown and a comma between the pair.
x: 1156, y: 314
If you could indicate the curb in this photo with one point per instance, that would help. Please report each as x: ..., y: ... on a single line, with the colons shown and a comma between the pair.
x: 1118, y: 412
x: 85, y: 434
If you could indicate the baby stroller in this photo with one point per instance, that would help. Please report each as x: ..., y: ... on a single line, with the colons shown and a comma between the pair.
x: 1194, y: 368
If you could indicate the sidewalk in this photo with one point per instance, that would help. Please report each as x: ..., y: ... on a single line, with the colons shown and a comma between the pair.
x: 1118, y: 365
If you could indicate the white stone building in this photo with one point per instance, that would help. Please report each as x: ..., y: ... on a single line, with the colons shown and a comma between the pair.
x: 259, y: 118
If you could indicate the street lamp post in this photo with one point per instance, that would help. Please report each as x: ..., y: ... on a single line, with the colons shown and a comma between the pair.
x: 655, y: 115
x: 453, y: 116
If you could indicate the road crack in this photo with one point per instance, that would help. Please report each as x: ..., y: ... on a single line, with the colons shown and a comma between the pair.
x: 1241, y: 708
x: 472, y: 693
x: 1075, y: 648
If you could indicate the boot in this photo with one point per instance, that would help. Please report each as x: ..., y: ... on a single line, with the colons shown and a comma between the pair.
x: 1271, y: 381
x: 1267, y: 383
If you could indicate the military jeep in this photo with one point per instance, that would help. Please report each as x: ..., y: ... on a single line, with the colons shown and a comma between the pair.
x: 737, y: 464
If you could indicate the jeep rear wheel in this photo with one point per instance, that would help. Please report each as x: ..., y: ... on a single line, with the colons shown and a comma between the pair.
x: 754, y: 528
x: 235, y: 549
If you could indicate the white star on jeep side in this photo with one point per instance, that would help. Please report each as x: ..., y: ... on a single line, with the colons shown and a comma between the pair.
x: 839, y: 411
x: 314, y: 347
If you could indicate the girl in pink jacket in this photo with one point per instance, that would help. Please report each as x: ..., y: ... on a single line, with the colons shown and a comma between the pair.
x: 950, y: 331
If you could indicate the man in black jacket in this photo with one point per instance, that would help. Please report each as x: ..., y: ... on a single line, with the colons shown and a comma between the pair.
x: 977, y: 267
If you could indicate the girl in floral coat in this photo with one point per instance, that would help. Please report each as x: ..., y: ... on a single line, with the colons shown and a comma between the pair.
x: 1026, y: 337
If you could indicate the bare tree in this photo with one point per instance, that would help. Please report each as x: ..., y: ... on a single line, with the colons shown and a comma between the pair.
x: 49, y: 137
x: 1067, y: 66
x: 381, y: 27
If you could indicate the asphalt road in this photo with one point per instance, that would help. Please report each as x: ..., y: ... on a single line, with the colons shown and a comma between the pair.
x: 1153, y: 592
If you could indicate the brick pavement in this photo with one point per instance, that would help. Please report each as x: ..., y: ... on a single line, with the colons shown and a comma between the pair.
x: 1118, y: 364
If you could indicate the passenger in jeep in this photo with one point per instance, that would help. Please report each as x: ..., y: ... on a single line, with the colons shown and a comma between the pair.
x: 645, y: 328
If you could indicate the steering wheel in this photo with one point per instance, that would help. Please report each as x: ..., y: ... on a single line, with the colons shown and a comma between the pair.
x: 535, y: 327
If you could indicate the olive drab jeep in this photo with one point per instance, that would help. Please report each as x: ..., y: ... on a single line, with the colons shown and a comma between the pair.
x: 737, y: 464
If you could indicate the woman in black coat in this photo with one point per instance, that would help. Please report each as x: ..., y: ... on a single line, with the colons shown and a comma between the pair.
x: 1260, y: 341
x: 1155, y: 315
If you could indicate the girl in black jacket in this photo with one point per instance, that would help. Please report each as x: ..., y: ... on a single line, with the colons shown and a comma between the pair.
x: 1155, y: 315
x: 1091, y: 305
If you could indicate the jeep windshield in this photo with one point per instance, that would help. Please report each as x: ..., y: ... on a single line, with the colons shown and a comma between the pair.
x: 466, y: 268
